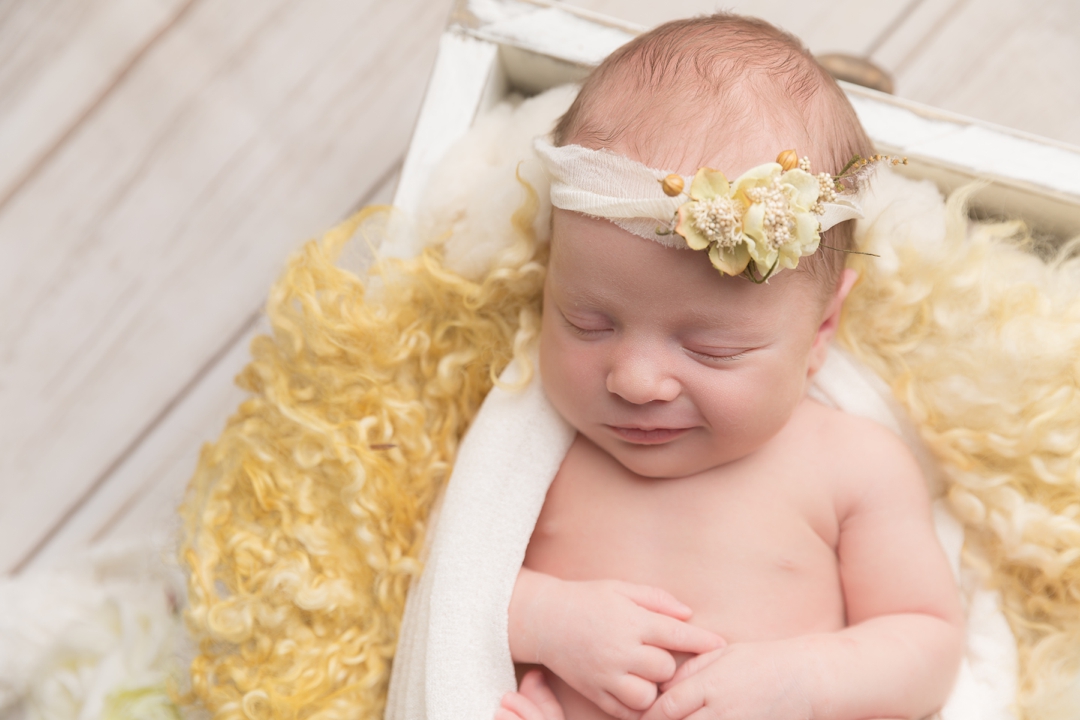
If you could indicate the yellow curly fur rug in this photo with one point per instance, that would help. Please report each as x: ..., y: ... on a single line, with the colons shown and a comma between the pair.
x: 304, y: 522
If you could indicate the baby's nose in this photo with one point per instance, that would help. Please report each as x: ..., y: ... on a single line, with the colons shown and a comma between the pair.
x: 642, y: 377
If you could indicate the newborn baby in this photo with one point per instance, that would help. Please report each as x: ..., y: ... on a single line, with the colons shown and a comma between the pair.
x: 716, y: 544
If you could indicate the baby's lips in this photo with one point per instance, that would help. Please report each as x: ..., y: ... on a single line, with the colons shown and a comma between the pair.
x: 648, y: 435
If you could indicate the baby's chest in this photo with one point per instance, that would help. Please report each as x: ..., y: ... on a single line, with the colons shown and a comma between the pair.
x: 753, y: 558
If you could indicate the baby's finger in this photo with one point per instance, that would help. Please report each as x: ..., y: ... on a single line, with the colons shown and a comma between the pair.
x: 614, y: 707
x: 678, y: 703
x: 535, y: 688
x: 655, y: 599
x: 518, y: 707
x: 635, y: 693
x: 705, y: 713
x: 652, y: 664
x: 690, y: 667
x: 672, y: 634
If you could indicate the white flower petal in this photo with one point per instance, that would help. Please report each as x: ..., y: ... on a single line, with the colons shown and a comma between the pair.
x: 730, y: 261
x: 806, y: 189
x: 807, y: 232
x: 708, y: 183
x: 756, y: 176
x: 754, y: 224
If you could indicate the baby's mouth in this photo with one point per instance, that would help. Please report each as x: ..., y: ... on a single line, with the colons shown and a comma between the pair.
x: 647, y: 436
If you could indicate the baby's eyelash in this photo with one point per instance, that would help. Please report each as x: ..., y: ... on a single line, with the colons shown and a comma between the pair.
x: 718, y: 358
x: 582, y: 331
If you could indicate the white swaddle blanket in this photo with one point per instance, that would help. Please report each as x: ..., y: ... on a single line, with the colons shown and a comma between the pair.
x: 453, y: 661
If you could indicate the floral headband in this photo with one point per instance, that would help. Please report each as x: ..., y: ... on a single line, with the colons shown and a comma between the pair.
x: 762, y: 222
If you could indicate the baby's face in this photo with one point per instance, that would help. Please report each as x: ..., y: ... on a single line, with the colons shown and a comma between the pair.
x: 668, y: 366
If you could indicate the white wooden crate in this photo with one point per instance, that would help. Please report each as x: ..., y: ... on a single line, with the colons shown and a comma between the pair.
x: 494, y: 47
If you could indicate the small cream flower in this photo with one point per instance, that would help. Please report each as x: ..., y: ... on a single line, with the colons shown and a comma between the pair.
x: 712, y: 219
x: 768, y: 216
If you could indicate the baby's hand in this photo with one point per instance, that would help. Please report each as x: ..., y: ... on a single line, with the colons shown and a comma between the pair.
x: 609, y: 640
x: 745, y: 681
x: 533, y: 701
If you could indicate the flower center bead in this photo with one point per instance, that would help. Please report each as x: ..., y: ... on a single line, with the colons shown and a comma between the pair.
x: 719, y: 220
x: 826, y: 193
x: 779, y: 220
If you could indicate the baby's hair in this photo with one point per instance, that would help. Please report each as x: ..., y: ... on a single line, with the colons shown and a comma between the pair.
x: 717, y: 71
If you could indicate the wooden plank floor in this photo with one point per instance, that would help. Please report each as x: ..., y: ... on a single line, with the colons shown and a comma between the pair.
x: 136, y: 253
x: 160, y: 158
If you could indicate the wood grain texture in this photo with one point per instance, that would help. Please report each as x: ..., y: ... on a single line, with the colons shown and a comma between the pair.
x: 139, y: 497
x: 849, y: 26
x: 151, y: 235
x: 912, y: 32
x: 1011, y: 62
x: 58, y: 59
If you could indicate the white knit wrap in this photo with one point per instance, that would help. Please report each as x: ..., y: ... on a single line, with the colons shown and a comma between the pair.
x: 602, y: 183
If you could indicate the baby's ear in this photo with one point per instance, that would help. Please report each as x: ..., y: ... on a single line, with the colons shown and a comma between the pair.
x: 830, y: 321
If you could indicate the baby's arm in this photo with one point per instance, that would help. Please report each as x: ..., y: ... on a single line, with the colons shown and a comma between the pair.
x: 609, y: 640
x: 898, y: 655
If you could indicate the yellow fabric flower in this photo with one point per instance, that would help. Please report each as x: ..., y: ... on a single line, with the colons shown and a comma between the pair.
x: 768, y: 216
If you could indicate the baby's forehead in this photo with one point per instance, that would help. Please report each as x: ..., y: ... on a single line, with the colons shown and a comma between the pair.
x: 596, y: 265
x: 681, y: 131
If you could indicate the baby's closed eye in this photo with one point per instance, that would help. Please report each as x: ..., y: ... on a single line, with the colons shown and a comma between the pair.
x: 586, y: 326
x: 716, y: 355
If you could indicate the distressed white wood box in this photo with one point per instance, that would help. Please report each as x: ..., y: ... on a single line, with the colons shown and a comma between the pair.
x: 494, y: 47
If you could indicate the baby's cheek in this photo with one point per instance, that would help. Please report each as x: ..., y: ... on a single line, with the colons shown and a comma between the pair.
x: 561, y: 377
x: 761, y: 402
x: 549, y: 352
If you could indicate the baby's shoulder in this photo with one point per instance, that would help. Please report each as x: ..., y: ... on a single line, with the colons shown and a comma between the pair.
x: 870, y: 464
x: 839, y: 429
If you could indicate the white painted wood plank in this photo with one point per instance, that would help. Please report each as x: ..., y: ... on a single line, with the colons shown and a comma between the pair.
x: 138, y: 500
x: 555, y: 31
x: 1011, y: 62
x: 143, y: 492
x: 464, y: 68
x: 1032, y: 178
x: 981, y: 149
x: 849, y: 26
x: 909, y: 36
x: 151, y: 235
x: 57, y: 58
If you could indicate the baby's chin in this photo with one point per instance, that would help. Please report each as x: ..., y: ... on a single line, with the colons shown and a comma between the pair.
x: 668, y: 461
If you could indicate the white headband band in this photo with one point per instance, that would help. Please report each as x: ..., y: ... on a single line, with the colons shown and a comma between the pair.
x: 632, y: 195
x: 605, y: 184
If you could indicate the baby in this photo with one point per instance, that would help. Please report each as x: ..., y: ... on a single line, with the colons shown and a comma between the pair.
x: 716, y: 544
